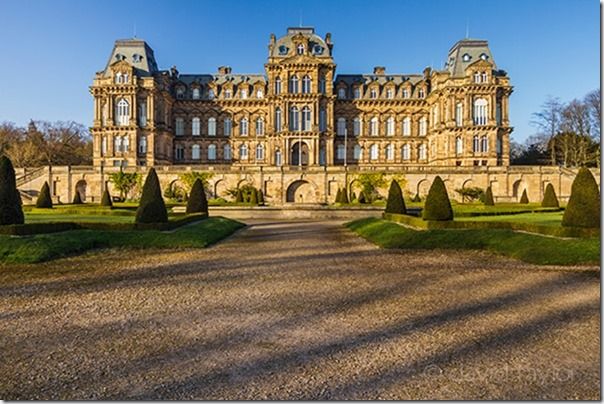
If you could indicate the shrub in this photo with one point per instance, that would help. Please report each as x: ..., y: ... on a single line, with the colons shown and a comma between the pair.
x: 353, y: 196
x: 260, y: 197
x: 583, y: 209
x: 395, y: 203
x: 77, y: 198
x: 152, y: 208
x: 106, y: 199
x: 253, y: 196
x: 44, y: 199
x: 11, y: 211
x: 550, y: 200
x: 524, y: 197
x: 438, y: 205
x: 339, y: 196
x: 239, y: 196
x: 488, y: 197
x: 471, y: 193
x: 197, y: 202
x: 416, y: 198
x: 345, y: 196
x: 362, y: 197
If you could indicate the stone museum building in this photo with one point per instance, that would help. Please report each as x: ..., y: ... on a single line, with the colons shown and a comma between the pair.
x: 299, y: 130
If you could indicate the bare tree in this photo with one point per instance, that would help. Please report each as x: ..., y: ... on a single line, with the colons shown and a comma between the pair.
x: 549, y: 121
x: 593, y: 100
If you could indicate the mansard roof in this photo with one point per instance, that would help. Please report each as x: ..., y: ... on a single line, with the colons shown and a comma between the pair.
x: 380, y: 79
x: 466, y: 52
x: 235, y: 79
x: 293, y: 33
x: 137, y: 53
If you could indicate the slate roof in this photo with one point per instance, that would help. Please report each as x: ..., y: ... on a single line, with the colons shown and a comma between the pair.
x: 474, y: 48
x: 126, y: 49
x: 380, y: 79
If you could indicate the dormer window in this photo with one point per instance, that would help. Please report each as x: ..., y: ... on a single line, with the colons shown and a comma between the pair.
x: 119, y: 56
x: 282, y: 50
x: 196, y: 93
x: 405, y: 93
x: 300, y: 49
x: 180, y: 93
x: 484, y: 56
x: 243, y: 94
x: 136, y: 58
x: 228, y: 94
x: 373, y: 93
x: 421, y: 93
x: 389, y: 93
x: 121, y: 78
x: 318, y: 50
x: 466, y: 57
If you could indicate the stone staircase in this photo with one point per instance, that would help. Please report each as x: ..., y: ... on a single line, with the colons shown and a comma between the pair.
x: 29, y: 195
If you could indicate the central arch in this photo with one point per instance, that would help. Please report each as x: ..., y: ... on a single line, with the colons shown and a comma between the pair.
x: 301, y: 191
x: 297, y: 154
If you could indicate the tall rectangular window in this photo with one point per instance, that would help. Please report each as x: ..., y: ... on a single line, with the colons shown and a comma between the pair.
x: 212, y: 126
x: 180, y: 126
x: 195, y: 127
x: 142, y: 114
x: 228, y: 126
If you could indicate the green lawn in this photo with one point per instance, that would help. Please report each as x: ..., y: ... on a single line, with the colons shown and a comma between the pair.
x: 43, y: 247
x: 527, y: 247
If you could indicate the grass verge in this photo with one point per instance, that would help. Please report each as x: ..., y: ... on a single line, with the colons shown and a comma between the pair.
x: 44, y: 247
x: 526, y: 247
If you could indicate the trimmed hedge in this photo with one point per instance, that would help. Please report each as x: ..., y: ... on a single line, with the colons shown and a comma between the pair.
x: 549, y: 198
x: 528, y: 227
x: 106, y: 199
x: 488, y: 197
x: 395, y: 202
x: 11, y: 210
x: 197, y: 202
x: 524, y: 198
x: 77, y: 198
x: 151, y: 208
x: 583, y: 209
x: 44, y: 200
x: 438, y: 205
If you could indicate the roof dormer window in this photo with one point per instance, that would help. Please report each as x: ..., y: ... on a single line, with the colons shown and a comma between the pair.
x: 136, y: 58
x: 318, y: 49
x: 119, y: 56
x: 466, y: 57
x: 300, y: 49
x: 282, y: 50
x: 484, y: 56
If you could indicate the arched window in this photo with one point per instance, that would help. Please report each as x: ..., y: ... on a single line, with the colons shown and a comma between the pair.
x: 341, y: 93
x: 293, y: 84
x: 195, y: 126
x: 459, y: 114
x: 421, y: 93
x: 243, y: 152
x: 277, y: 119
x: 180, y: 126
x: 243, y: 93
x: 406, y: 126
x: 357, y: 126
x: 406, y: 152
x: 374, y: 152
x: 243, y: 127
x: 259, y: 127
x: 306, y: 85
x: 389, y: 93
x: 356, y: 93
x: 179, y: 152
x: 277, y: 85
x: 226, y: 152
x: 421, y: 152
x: 322, y: 120
x: 122, y: 112
x: 389, y: 152
x: 211, y: 152
x: 196, y: 152
x: 390, y: 126
x: 196, y: 93
x: 306, y: 119
x: 423, y: 126
x: 142, y: 144
x: 300, y: 49
x: 211, y: 126
x: 476, y: 77
x: 374, y: 126
x: 260, y: 152
x: 481, y: 111
x: 357, y: 152
x: 180, y: 93
x: 475, y: 144
x: 278, y: 161
x: 118, y: 77
x: 340, y: 152
x: 373, y: 93
x: 125, y: 143
x: 484, y: 144
x: 211, y: 94
x: 341, y: 127
x: 259, y: 93
x: 322, y: 86
x: 294, y: 119
x: 484, y: 77
x: 458, y: 145
x: 406, y: 93
x: 228, y: 126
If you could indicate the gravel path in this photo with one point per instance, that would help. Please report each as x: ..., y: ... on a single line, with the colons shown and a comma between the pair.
x: 298, y: 310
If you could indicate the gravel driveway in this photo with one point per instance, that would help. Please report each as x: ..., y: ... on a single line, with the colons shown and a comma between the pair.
x: 297, y: 310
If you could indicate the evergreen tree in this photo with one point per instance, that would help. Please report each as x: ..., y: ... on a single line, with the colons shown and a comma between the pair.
x: 197, y: 203
x: 353, y: 197
x: 11, y: 211
x: 77, y: 198
x: 339, y: 196
x: 524, y: 197
x: 260, y: 197
x: 438, y: 205
x: 239, y: 196
x: 416, y: 198
x: 44, y: 199
x: 550, y: 200
x: 345, y: 196
x: 488, y: 197
x: 583, y: 209
x: 151, y: 208
x: 362, y: 197
x: 106, y: 199
x: 395, y: 202
x: 254, y: 197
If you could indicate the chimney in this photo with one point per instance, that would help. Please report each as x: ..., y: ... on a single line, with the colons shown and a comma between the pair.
x: 224, y: 70
x: 379, y: 70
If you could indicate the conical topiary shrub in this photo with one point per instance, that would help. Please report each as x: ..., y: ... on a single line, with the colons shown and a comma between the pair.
x: 44, y: 200
x: 488, y: 197
x: 260, y: 197
x: 362, y: 197
x: 583, y: 209
x: 106, y: 199
x: 239, y: 196
x: 524, y: 197
x: 197, y: 203
x: 151, y: 208
x: 77, y: 198
x: 438, y: 205
x: 353, y: 197
x: 11, y: 211
x: 339, y: 196
x: 345, y: 196
x: 254, y: 197
x: 395, y: 202
x: 416, y: 198
x: 550, y: 200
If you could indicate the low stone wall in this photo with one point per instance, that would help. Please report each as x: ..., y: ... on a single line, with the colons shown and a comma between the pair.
x: 298, y: 212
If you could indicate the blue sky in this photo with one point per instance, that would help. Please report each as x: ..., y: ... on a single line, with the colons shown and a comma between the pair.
x: 51, y: 49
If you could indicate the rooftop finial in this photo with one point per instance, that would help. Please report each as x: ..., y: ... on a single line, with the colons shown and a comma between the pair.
x: 467, y: 28
x: 134, y: 29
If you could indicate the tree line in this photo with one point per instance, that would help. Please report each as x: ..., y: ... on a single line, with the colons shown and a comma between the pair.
x: 44, y: 143
x: 568, y: 134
